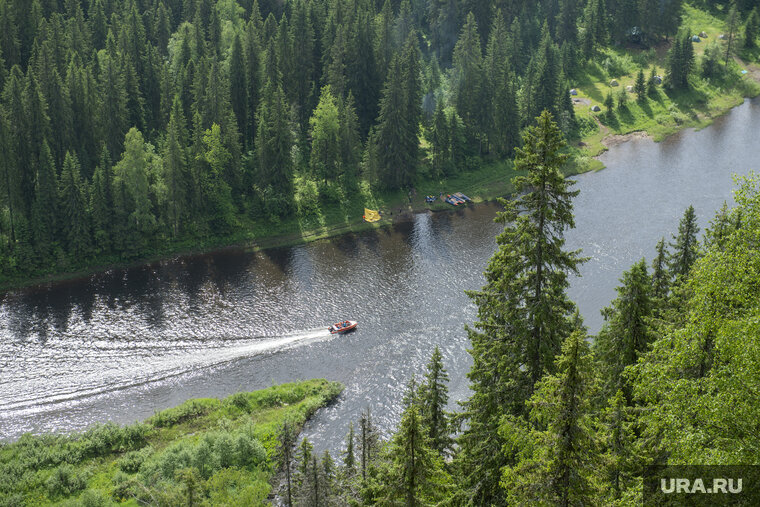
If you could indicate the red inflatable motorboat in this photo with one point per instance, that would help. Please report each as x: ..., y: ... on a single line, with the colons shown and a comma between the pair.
x: 343, y: 327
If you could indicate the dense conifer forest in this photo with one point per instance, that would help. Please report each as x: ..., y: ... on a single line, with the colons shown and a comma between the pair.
x: 134, y: 128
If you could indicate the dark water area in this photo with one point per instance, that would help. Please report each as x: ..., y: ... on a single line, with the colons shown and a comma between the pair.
x: 123, y: 344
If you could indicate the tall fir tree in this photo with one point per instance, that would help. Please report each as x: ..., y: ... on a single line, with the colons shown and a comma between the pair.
x: 434, y: 396
x: 73, y: 202
x: 626, y: 333
x: 556, y: 465
x: 524, y: 313
x: 686, y: 247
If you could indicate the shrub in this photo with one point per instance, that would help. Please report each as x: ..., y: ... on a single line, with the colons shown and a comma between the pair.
x: 133, y: 460
x: 64, y: 481
x: 239, y: 400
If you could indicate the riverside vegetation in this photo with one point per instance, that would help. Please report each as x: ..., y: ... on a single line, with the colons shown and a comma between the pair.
x: 205, y: 450
x: 130, y: 130
x: 551, y: 420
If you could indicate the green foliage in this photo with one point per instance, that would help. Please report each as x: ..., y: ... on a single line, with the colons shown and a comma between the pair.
x: 204, y: 451
x: 523, y: 311
x: 697, y: 373
x: 555, y: 465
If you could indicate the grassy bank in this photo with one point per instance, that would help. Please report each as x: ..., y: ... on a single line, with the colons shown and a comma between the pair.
x: 220, y: 451
x: 666, y: 111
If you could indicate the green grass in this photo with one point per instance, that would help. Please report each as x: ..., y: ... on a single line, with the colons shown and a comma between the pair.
x: 668, y: 110
x: 145, y: 461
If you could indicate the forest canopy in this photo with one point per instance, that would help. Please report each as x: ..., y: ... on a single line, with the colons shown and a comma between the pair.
x: 128, y: 127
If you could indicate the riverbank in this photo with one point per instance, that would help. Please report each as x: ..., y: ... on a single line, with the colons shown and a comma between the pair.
x: 660, y: 115
x: 222, y: 451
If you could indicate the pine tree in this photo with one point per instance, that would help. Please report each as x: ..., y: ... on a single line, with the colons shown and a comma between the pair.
x: 434, y: 396
x: 523, y: 311
x: 73, y: 201
x: 660, y: 275
x: 349, y: 458
x: 45, y: 214
x: 414, y: 475
x: 102, y: 204
x: 626, y: 334
x: 554, y: 465
x: 325, y: 161
x: 685, y: 249
x: 175, y: 168
x: 640, y: 87
x: 468, y: 80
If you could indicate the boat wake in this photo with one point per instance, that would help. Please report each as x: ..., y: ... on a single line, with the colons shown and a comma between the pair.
x: 103, y: 367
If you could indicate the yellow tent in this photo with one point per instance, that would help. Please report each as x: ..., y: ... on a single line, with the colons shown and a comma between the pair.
x: 371, y: 215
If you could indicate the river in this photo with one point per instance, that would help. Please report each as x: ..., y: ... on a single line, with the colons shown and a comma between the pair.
x: 123, y: 344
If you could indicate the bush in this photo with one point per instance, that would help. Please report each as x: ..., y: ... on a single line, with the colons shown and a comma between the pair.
x: 133, y: 460
x: 240, y: 400
x: 64, y: 481
x: 184, y: 412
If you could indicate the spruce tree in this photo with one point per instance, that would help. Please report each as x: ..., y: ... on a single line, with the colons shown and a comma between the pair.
x: 468, y: 81
x: 175, y: 174
x: 619, y: 460
x: 102, y: 204
x: 750, y: 29
x: 660, y: 275
x: 369, y: 441
x: 73, y: 203
x: 685, y: 249
x: 640, y: 87
x: 285, y: 442
x: 556, y: 465
x: 625, y: 334
x: 414, y: 475
x: 325, y: 161
x: 434, y: 396
x: 524, y: 313
x: 393, y: 132
x: 45, y: 215
x: 238, y: 89
x: 349, y: 457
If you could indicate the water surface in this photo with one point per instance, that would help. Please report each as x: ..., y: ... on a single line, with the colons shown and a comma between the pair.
x: 123, y: 344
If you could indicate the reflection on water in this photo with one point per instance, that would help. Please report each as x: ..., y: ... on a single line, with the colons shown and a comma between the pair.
x: 122, y: 344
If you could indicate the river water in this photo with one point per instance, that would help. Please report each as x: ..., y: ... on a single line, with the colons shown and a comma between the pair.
x: 121, y: 345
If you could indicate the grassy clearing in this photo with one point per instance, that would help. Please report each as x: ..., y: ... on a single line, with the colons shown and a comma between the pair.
x: 221, y: 451
x: 667, y: 111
